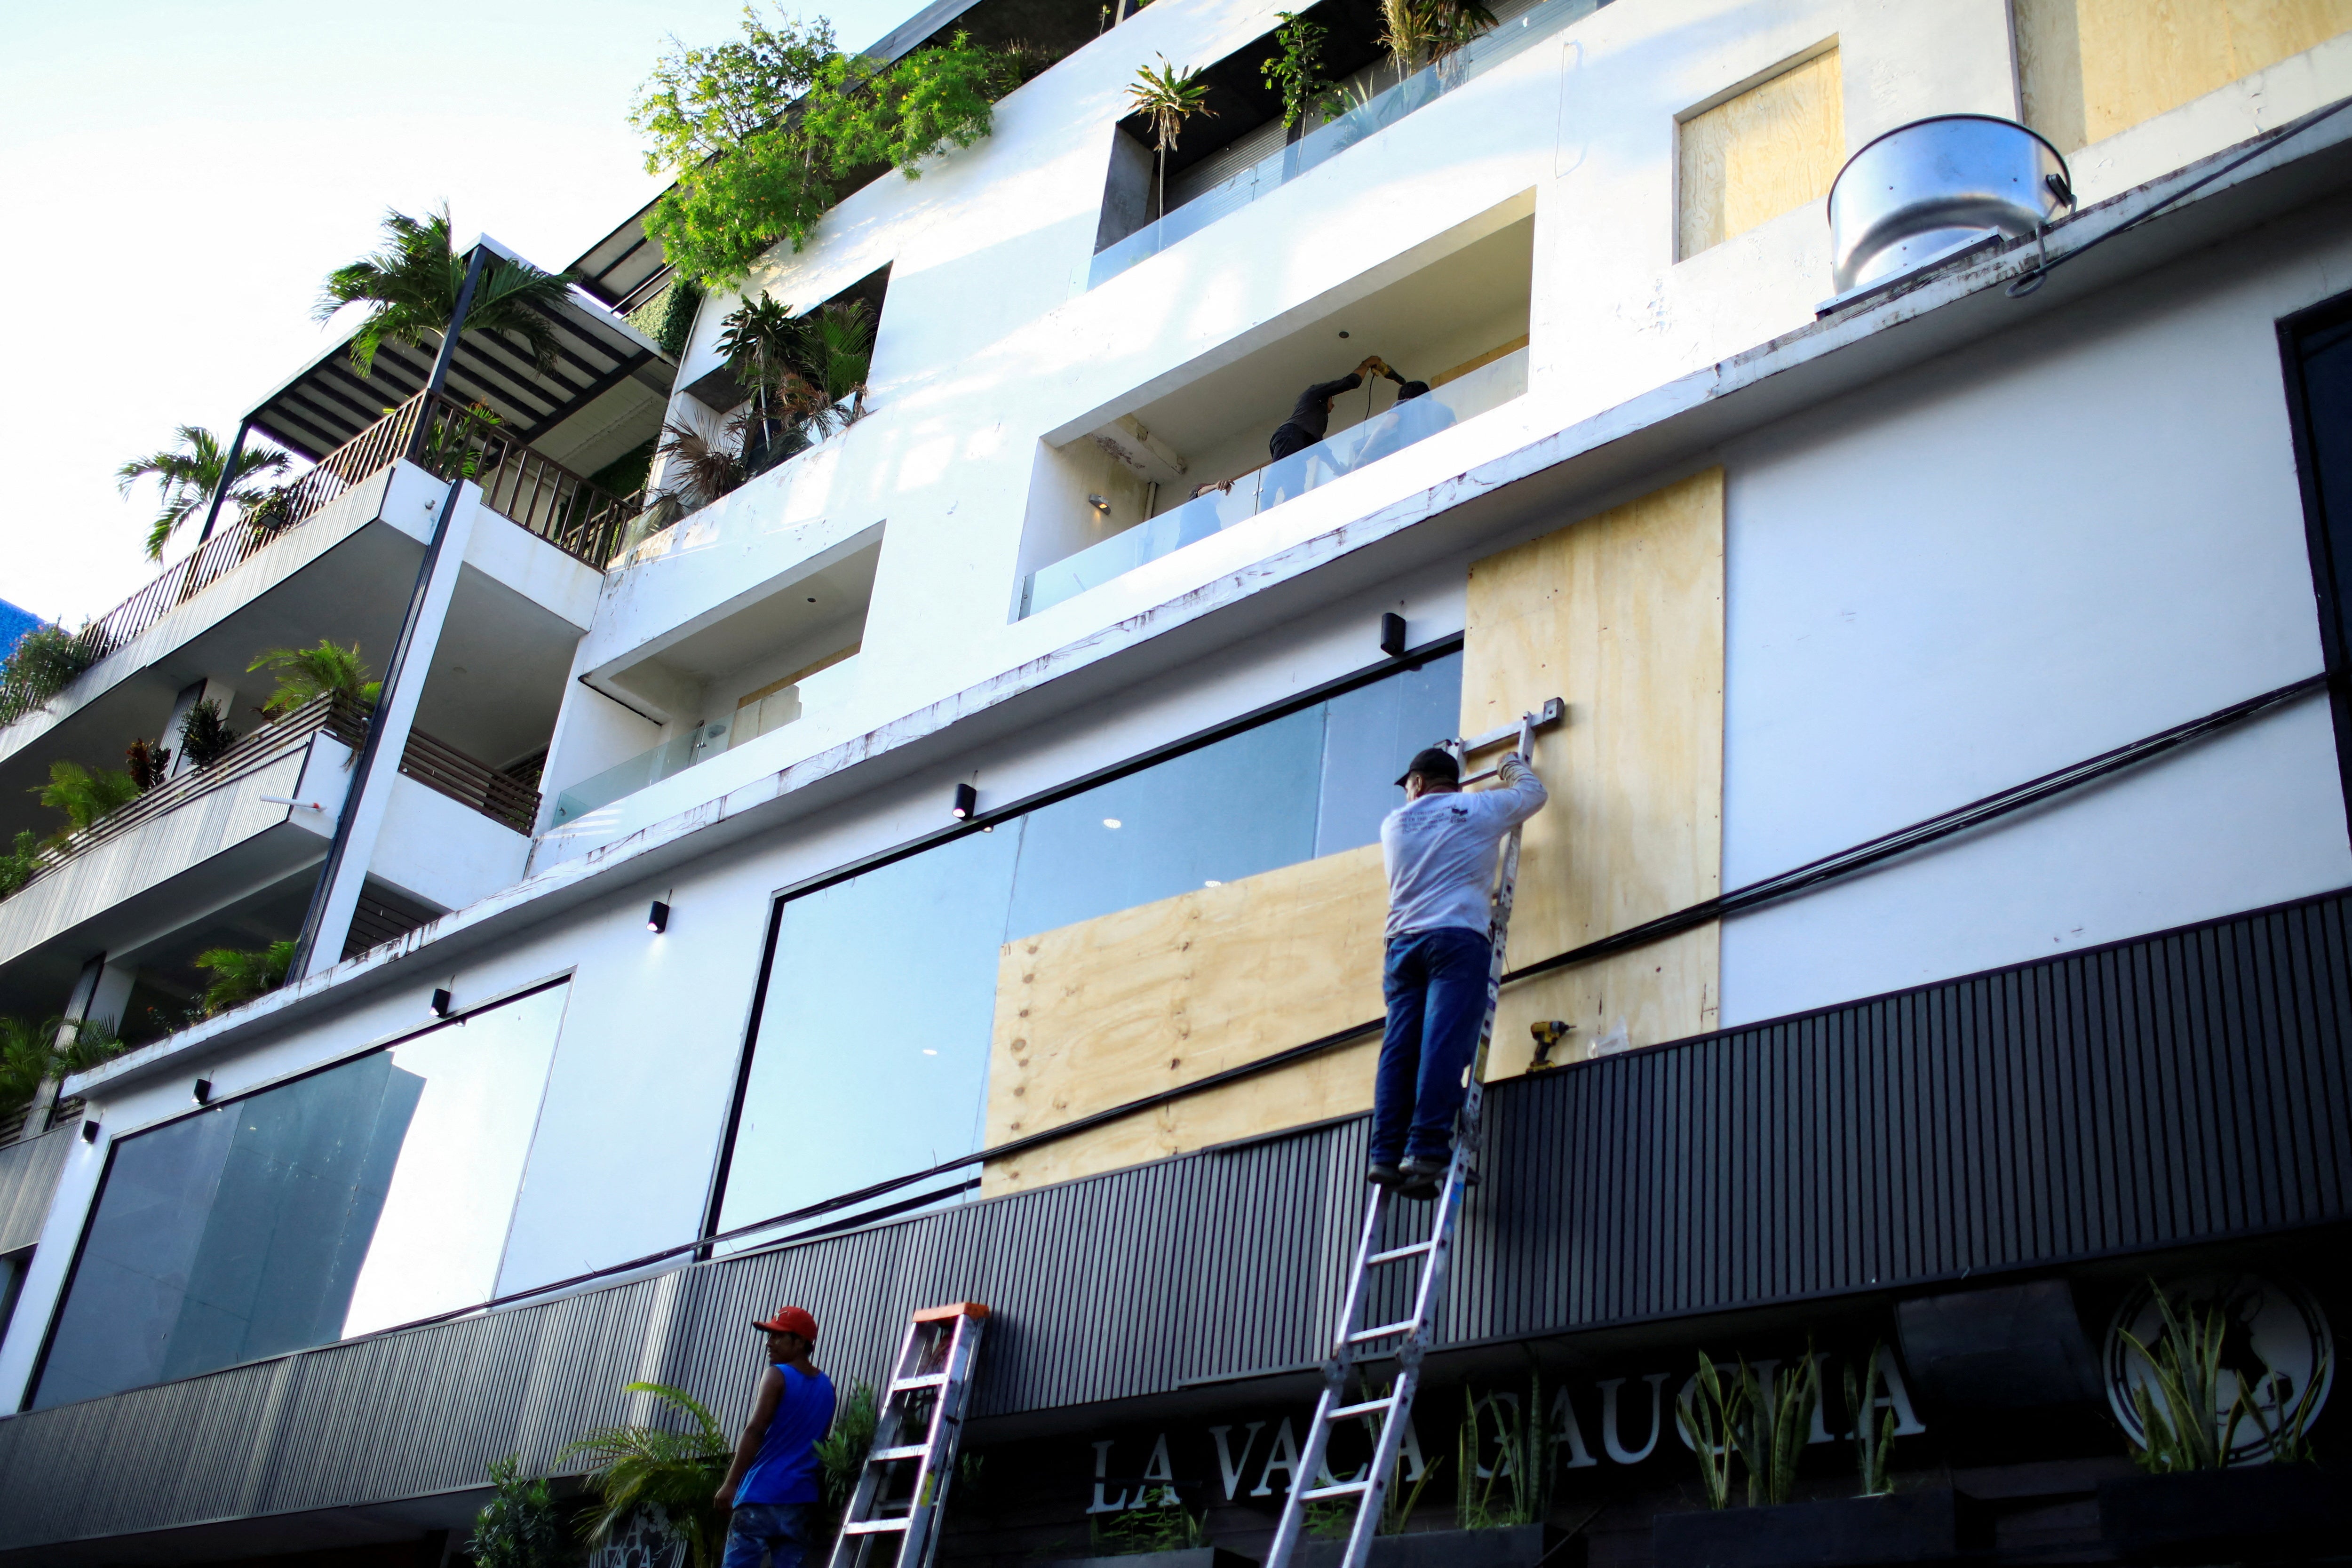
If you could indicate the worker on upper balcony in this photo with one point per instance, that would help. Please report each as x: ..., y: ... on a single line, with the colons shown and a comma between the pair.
x: 1440, y: 850
x: 1311, y: 415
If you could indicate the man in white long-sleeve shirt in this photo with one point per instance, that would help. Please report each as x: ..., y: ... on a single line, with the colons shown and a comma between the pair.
x: 1440, y: 849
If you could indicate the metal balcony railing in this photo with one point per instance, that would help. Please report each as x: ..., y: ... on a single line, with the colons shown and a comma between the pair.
x: 431, y: 762
x: 537, y: 493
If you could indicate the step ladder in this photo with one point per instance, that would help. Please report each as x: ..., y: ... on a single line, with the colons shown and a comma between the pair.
x: 1407, y: 1338
x: 902, y: 1490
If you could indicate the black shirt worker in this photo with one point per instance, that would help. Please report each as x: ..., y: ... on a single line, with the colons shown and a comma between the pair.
x: 1311, y: 416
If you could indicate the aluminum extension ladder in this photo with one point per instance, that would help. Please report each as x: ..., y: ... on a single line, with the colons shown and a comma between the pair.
x: 1349, y: 1341
x: 903, y: 1488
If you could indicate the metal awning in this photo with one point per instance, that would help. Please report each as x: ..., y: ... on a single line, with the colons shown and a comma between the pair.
x: 326, y: 403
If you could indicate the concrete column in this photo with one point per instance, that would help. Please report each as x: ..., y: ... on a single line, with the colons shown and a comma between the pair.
x: 369, y: 794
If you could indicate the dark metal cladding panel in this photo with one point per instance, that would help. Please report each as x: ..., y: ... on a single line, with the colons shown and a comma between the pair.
x: 2184, y: 1087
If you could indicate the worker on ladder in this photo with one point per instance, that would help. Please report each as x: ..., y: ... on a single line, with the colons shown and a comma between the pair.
x: 1438, y: 847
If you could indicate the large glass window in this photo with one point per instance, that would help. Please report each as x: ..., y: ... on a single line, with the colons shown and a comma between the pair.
x: 368, y: 1194
x: 872, y: 1055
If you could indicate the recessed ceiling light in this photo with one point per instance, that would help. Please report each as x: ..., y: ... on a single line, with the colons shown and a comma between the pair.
x: 1110, y: 822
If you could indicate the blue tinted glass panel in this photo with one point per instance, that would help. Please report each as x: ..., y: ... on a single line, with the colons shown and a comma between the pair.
x: 354, y: 1199
x: 873, y: 1050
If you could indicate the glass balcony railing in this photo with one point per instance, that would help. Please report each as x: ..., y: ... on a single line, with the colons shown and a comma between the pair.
x: 1489, y: 386
x: 1327, y: 142
x: 828, y: 687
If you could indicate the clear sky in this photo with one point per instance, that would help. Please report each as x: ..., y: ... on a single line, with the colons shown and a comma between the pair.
x: 177, y: 176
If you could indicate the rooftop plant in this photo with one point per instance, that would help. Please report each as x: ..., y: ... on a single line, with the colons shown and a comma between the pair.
x: 758, y: 131
x: 305, y: 674
x: 411, y: 286
x: 186, y: 475
x: 1166, y: 99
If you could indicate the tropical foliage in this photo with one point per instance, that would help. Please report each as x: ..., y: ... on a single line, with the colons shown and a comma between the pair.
x: 307, y: 674
x: 1517, y: 1487
x: 668, y: 317
x: 44, y: 662
x: 1873, y: 1443
x: 759, y: 133
x: 186, y: 475
x: 204, y: 733
x: 701, y: 460
x: 149, y: 762
x: 1765, y: 1428
x: 19, y: 862
x: 2185, y: 1424
x: 1166, y: 99
x: 652, y: 1467
x: 806, y: 374
x: 241, y: 974
x: 411, y: 286
x: 840, y: 1452
x: 521, y: 1526
x: 1417, y: 31
x: 1296, y: 72
x: 30, y: 1054
x: 84, y: 795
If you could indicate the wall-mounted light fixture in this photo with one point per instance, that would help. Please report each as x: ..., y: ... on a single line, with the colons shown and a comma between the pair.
x: 966, y: 802
x: 658, y: 918
x: 204, y: 1091
x: 442, y: 1003
x: 1392, y: 635
x: 1098, y: 503
x: 90, y: 1131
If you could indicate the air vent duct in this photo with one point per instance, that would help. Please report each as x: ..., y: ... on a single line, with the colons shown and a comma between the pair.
x: 1935, y: 186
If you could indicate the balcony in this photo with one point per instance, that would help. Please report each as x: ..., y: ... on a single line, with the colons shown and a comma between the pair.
x: 1466, y: 397
x: 825, y: 689
x: 1510, y: 39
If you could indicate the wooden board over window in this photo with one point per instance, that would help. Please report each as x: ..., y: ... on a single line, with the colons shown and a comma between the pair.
x: 2089, y: 68
x: 1773, y: 148
x: 1623, y: 616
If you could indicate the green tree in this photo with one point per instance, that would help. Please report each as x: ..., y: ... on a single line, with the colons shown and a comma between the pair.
x: 1166, y: 99
x: 757, y: 131
x: 652, y: 1467
x: 186, y: 475
x: 241, y: 974
x: 412, y: 285
x: 204, y: 733
x: 305, y: 674
x: 519, y: 1527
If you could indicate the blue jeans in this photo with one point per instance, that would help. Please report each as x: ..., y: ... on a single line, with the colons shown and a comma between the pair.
x: 1436, y: 983
x: 786, y: 1529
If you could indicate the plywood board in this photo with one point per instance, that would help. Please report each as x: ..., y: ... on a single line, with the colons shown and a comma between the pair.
x: 1116, y: 1008
x: 1747, y: 160
x: 2089, y: 68
x: 1622, y: 614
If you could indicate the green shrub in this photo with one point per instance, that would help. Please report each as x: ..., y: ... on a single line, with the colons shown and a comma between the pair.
x: 45, y: 661
x: 85, y: 795
x: 840, y: 1452
x: 18, y: 864
x: 240, y: 975
x: 205, y: 734
x: 520, y: 1527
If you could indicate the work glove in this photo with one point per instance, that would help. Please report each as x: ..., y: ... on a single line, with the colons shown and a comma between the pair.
x: 1509, y: 769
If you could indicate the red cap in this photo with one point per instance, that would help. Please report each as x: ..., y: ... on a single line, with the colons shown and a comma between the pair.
x: 790, y: 1320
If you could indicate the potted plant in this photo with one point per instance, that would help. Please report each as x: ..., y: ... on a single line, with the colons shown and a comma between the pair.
x: 1498, y: 1509
x: 1740, y: 1424
x: 2225, y: 1477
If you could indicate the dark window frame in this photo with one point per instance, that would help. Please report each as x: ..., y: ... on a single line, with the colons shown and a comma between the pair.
x: 2334, y: 614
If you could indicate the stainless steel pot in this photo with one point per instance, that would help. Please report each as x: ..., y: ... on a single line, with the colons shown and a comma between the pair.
x: 1935, y: 186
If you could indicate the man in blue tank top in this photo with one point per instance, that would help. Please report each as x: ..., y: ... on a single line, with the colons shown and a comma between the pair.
x: 773, y: 1484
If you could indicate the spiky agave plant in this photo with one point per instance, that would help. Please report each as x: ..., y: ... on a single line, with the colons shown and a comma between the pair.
x: 652, y: 1467
x: 412, y: 283
x: 1711, y: 1414
x: 186, y: 475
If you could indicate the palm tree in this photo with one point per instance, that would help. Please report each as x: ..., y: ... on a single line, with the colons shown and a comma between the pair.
x: 305, y: 674
x: 1167, y: 98
x: 413, y: 283
x: 188, y: 475
x: 701, y: 463
x: 242, y: 974
x: 85, y: 795
x: 677, y: 1472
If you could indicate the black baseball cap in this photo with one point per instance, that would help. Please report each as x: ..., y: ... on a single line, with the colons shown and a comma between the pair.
x: 1433, y: 762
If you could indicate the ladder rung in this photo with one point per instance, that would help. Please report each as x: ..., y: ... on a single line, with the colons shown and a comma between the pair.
x: 874, y: 1526
x: 1344, y: 1489
x: 1386, y: 1331
x: 928, y: 1380
x: 912, y: 1452
x: 1394, y: 1253
x: 1369, y: 1405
